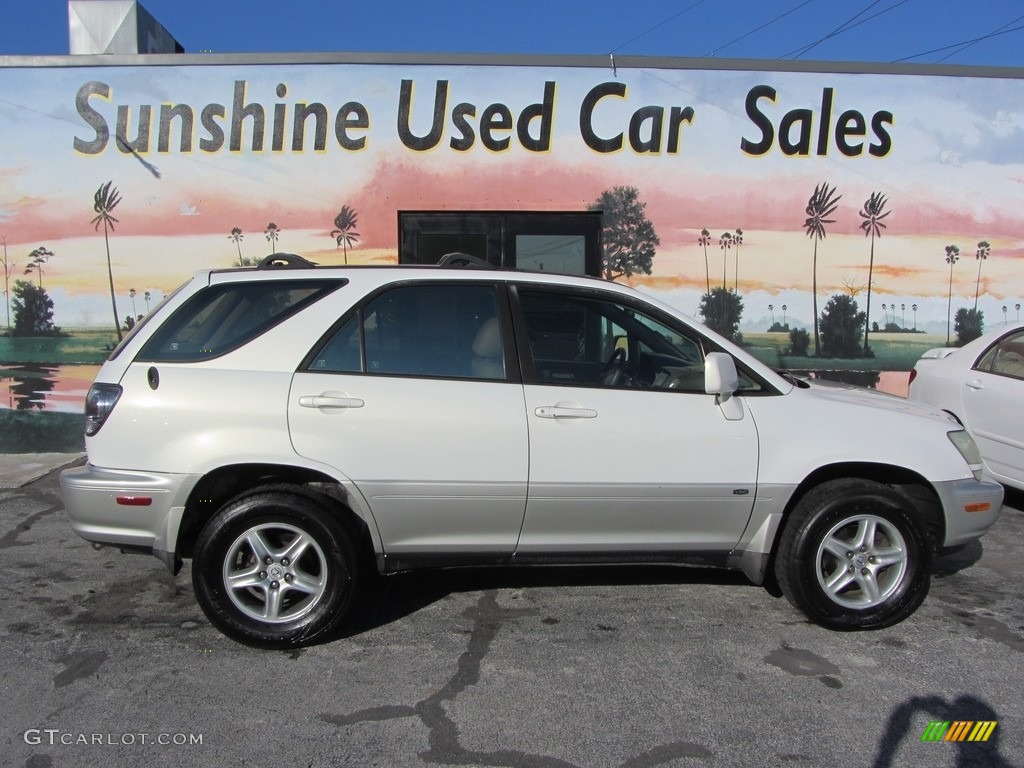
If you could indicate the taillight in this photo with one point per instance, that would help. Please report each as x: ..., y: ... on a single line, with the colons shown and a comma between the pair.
x: 98, y: 404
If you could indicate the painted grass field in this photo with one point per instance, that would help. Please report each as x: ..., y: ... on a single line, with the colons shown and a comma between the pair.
x: 893, y: 352
x: 80, y: 345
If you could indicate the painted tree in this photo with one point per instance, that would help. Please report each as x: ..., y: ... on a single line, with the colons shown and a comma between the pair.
x: 630, y: 242
x: 984, y: 249
x: 131, y: 295
x: 704, y: 241
x: 952, y: 256
x: 33, y: 311
x: 147, y: 297
x: 272, y: 232
x: 344, y: 229
x: 104, y: 202
x: 872, y: 214
x: 737, y: 240
x: 914, y: 308
x: 725, y: 243
x: 8, y: 271
x: 820, y: 206
x: 36, y: 259
x: 237, y: 237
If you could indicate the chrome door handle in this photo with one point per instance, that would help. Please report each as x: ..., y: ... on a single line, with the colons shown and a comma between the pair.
x: 563, y: 412
x: 330, y: 401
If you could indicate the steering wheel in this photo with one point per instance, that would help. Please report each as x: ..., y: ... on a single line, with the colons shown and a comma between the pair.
x: 612, y: 371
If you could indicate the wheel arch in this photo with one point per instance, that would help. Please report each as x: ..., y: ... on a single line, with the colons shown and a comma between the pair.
x: 219, y: 486
x: 912, y: 486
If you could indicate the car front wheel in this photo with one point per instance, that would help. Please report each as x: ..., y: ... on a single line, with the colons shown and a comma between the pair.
x: 854, y: 555
x: 275, y: 569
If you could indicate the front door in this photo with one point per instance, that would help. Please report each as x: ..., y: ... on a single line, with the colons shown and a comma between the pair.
x: 627, y: 451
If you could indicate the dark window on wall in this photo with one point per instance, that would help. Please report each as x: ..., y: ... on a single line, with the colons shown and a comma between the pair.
x: 562, y: 242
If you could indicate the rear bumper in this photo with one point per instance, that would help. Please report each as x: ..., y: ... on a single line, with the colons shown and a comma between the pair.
x: 959, y: 498
x: 139, y: 511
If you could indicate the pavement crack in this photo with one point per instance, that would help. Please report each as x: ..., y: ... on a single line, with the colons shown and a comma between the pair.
x: 443, y: 732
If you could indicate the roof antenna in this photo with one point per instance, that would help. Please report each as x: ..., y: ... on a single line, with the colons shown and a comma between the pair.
x: 615, y: 72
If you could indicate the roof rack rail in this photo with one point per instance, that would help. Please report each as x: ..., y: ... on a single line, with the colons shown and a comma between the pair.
x: 459, y: 259
x: 286, y: 260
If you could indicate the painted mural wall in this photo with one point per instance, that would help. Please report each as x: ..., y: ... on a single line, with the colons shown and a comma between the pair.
x: 782, y: 190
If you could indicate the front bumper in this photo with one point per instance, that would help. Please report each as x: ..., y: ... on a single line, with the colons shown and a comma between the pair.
x: 971, y: 508
x: 138, y: 511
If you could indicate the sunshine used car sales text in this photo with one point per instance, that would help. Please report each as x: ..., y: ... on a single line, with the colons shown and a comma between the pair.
x: 798, y: 130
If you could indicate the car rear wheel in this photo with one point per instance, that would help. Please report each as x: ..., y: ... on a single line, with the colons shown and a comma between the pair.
x: 854, y: 555
x: 276, y: 568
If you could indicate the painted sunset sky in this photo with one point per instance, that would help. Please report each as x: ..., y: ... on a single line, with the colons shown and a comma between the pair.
x: 945, y: 151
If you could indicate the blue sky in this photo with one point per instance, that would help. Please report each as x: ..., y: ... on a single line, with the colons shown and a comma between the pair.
x: 920, y: 31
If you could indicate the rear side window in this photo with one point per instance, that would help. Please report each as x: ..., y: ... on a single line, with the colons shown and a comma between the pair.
x: 443, y: 331
x: 225, y: 317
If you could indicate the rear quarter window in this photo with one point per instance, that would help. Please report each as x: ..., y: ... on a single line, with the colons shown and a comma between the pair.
x: 224, y: 317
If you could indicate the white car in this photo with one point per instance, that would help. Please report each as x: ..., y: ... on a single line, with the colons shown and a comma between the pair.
x: 982, y: 385
x: 290, y: 428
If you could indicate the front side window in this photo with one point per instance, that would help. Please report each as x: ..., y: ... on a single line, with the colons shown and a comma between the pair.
x: 1005, y: 358
x: 583, y: 340
x: 446, y: 331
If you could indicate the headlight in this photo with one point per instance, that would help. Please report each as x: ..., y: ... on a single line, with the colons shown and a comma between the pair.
x: 964, y: 443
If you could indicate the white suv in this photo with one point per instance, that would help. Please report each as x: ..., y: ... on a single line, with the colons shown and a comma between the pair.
x: 290, y: 429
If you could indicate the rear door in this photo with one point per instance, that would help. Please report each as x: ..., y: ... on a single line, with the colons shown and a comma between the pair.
x: 416, y: 398
x: 627, y: 451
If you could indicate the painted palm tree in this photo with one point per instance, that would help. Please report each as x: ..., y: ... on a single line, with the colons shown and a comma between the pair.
x: 131, y: 295
x: 1017, y: 307
x: 903, y: 316
x: 704, y: 241
x: 737, y: 241
x: 344, y: 229
x: 771, y: 308
x: 984, y: 249
x: 1004, y: 314
x: 885, y: 311
x: 36, y: 259
x: 820, y: 206
x: 784, y: 308
x: 104, y: 201
x: 914, y: 307
x: 725, y: 243
x: 872, y: 214
x: 236, y: 237
x: 272, y: 232
x: 147, y: 297
x: 8, y: 270
x: 952, y: 256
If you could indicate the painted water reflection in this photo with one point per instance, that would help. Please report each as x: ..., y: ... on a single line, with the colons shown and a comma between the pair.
x: 52, y: 388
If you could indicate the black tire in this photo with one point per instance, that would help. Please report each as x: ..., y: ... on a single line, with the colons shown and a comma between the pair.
x: 854, y: 555
x: 282, y: 602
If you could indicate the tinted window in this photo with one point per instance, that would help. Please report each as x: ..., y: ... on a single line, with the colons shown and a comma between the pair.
x: 448, y: 331
x: 224, y: 317
x: 587, y: 341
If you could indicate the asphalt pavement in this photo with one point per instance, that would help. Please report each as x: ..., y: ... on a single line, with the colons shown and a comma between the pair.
x: 108, y: 661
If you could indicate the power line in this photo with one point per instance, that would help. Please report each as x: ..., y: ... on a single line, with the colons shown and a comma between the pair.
x: 961, y: 43
x: 844, y: 27
x: 975, y: 42
x: 758, y: 29
x: 656, y: 26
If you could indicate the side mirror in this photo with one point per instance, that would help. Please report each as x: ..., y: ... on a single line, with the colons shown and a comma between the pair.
x: 722, y: 381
